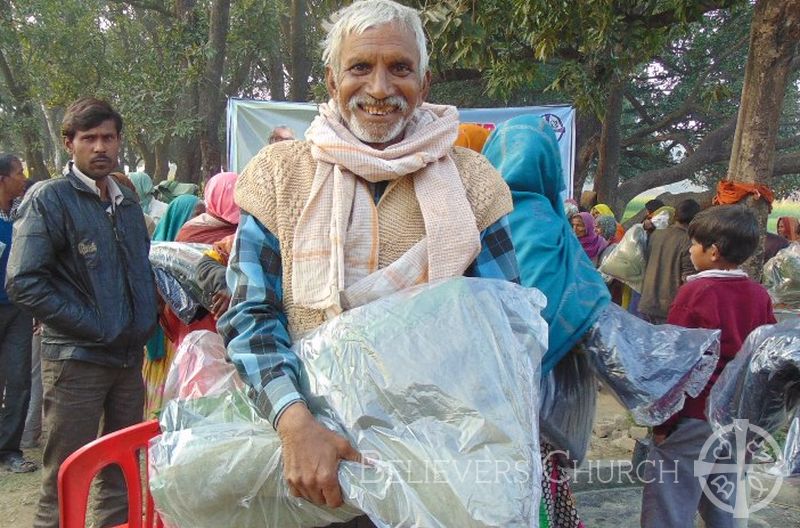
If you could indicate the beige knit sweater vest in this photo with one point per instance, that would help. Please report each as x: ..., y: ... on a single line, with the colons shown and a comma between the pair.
x: 275, y: 185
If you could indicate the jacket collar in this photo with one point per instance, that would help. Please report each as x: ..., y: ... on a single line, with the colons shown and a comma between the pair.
x: 80, y: 184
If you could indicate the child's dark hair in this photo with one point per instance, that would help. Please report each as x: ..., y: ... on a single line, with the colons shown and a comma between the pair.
x: 732, y: 228
x: 87, y: 113
x: 686, y: 211
x: 7, y: 162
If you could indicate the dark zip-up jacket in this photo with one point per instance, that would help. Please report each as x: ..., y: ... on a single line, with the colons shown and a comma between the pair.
x: 83, y: 273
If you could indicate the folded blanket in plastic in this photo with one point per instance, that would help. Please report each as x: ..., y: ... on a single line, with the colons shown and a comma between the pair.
x: 627, y: 261
x: 781, y: 276
x: 651, y: 368
x: 437, y: 386
x: 760, y: 387
x: 174, y: 266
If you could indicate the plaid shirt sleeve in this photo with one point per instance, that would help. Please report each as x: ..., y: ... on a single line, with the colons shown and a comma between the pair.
x: 255, y: 328
x: 497, y: 259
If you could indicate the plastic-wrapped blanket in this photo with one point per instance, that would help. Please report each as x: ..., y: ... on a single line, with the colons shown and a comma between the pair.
x: 791, y: 450
x: 651, y: 368
x: 626, y: 262
x: 781, y: 276
x: 176, y: 295
x: 179, y: 260
x: 762, y: 383
x: 437, y: 386
x: 569, y: 401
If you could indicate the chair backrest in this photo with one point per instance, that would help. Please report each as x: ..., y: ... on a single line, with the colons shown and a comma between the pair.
x: 79, y: 469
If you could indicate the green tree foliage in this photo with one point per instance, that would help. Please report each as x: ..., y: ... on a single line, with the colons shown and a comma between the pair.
x: 656, y: 83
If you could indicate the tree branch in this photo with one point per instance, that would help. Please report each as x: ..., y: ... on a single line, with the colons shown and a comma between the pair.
x: 712, y: 149
x: 673, y: 16
x: 787, y: 164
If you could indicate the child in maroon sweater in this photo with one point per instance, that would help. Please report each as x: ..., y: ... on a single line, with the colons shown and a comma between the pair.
x: 723, y: 297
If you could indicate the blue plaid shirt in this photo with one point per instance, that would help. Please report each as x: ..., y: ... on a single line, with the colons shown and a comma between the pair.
x: 255, y: 326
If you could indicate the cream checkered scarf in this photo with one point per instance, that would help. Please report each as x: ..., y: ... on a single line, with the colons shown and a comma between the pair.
x: 335, y: 252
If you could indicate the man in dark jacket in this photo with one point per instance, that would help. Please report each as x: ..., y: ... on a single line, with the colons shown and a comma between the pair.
x: 79, y: 264
x: 16, y: 329
x: 668, y: 264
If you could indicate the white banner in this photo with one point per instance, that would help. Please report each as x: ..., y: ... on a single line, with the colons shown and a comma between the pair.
x: 250, y: 123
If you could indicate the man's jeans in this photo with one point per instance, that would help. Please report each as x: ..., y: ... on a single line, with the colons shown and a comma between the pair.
x: 16, y: 329
x: 33, y: 423
x: 76, y: 396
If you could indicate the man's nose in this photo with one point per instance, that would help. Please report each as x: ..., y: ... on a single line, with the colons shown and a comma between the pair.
x: 380, y: 85
x: 99, y: 146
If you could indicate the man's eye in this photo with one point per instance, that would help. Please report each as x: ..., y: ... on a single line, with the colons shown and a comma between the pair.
x: 402, y: 69
x: 359, y: 68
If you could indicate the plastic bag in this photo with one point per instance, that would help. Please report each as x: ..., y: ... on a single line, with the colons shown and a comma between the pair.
x: 569, y: 401
x: 781, y: 276
x: 438, y: 386
x: 180, y: 259
x: 762, y: 383
x: 791, y: 450
x: 651, y: 368
x: 182, y: 303
x: 627, y: 262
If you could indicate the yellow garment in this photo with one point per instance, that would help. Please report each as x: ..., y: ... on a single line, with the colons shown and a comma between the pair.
x: 627, y: 293
x: 601, y: 209
x: 275, y: 185
x: 155, y: 377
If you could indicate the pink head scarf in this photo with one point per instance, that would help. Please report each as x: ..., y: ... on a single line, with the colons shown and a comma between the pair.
x: 592, y: 243
x: 219, y: 197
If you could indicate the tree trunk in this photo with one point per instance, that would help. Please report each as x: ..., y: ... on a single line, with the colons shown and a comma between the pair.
x: 131, y: 156
x: 25, y: 114
x: 210, y: 94
x: 51, y: 119
x: 301, y: 66
x: 147, y: 154
x: 587, y: 139
x: 774, y: 35
x: 607, y: 176
x: 188, y: 160
x: 277, y: 83
x: 161, y: 171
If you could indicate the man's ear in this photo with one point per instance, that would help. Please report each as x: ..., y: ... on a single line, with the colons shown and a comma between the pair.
x: 330, y: 81
x: 426, y: 87
x: 68, y: 145
x: 715, y: 256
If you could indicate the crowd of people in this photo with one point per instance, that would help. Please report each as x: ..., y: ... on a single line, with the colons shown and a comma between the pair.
x: 385, y: 192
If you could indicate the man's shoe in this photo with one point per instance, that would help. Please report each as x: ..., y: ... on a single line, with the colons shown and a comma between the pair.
x: 16, y: 463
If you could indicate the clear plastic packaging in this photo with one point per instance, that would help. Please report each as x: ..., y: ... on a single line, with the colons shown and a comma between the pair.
x: 762, y: 383
x: 626, y: 262
x: 569, y: 401
x: 781, y: 277
x: 651, y: 368
x: 175, y: 295
x: 180, y: 259
x: 791, y: 450
x: 437, y: 386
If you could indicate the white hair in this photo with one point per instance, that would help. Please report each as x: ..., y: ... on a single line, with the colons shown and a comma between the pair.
x: 365, y: 14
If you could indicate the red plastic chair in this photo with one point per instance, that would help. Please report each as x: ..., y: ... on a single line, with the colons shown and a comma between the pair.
x: 78, y: 470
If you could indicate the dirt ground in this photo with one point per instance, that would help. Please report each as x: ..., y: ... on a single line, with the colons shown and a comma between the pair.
x: 19, y: 492
x: 18, y: 495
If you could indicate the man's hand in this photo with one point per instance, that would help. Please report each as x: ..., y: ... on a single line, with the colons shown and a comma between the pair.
x: 311, y: 455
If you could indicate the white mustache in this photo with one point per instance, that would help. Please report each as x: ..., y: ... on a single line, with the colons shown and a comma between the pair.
x: 366, y: 100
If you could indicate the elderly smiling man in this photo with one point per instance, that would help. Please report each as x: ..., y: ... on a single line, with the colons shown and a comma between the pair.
x: 376, y: 199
